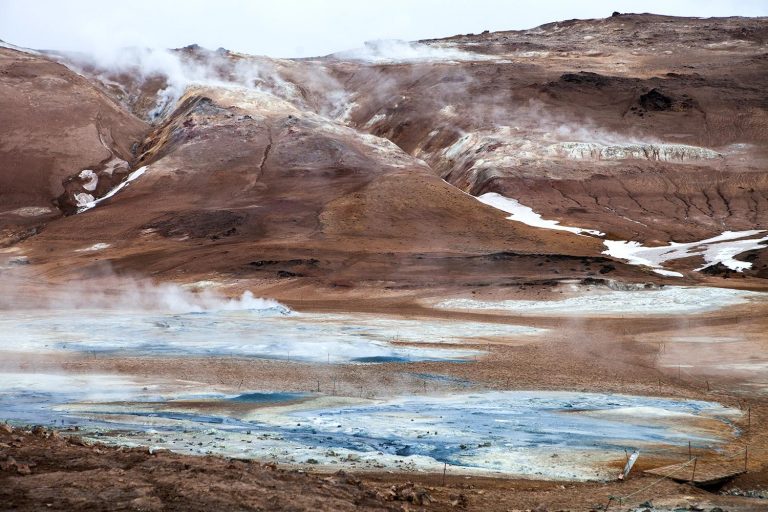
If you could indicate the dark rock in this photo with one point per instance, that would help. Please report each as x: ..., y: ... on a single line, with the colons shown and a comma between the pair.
x: 586, y: 78
x: 718, y: 269
x: 655, y: 100
x: 261, y: 263
x: 286, y: 273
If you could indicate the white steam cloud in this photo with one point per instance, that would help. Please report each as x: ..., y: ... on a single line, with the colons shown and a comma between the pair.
x: 167, y: 74
x: 394, y: 50
x: 20, y: 290
x: 180, y: 69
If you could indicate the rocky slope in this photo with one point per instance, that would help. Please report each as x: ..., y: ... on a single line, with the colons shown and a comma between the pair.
x: 43, y: 467
x: 56, y: 125
x: 648, y: 128
x: 360, y: 167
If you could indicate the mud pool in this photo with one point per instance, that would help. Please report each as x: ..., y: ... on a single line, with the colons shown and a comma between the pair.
x: 319, y: 338
x: 670, y: 300
x: 556, y: 434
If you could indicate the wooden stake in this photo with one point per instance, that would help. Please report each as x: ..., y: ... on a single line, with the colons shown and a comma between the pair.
x: 746, y: 457
x: 445, y: 468
x: 689, y: 451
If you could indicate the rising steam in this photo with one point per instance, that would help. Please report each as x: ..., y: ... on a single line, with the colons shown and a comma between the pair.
x: 107, y: 291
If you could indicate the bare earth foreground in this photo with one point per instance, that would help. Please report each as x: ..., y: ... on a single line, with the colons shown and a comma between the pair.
x: 503, y: 262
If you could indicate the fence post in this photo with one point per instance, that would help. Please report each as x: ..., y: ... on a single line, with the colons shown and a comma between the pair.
x: 746, y: 457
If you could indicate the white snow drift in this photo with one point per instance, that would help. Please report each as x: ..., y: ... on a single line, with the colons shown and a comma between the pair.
x: 719, y: 249
x: 526, y: 215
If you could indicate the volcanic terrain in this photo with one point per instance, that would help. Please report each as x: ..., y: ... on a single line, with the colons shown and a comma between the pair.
x: 571, y: 220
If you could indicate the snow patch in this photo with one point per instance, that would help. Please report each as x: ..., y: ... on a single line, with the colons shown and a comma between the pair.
x: 719, y: 249
x: 91, y: 179
x: 94, y: 247
x: 83, y: 199
x: 526, y: 215
x: 86, y: 201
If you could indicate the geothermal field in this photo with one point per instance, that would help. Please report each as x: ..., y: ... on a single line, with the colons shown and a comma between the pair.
x: 522, y: 270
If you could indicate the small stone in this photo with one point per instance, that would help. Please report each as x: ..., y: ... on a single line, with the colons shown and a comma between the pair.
x: 9, y: 463
x: 459, y: 501
x: 79, y: 441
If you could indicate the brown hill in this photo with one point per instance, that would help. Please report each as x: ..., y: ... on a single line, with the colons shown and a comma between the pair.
x: 55, y: 124
x: 358, y: 167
